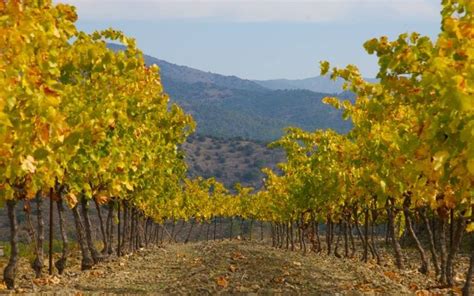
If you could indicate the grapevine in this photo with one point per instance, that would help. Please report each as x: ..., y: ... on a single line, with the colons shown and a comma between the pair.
x: 82, y: 125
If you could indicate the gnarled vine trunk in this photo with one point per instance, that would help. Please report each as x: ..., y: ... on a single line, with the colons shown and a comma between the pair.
x: 110, y: 228
x: 394, y: 238
x: 466, y: 290
x: 442, y: 249
x: 39, y: 259
x: 424, y: 268
x: 9, y: 273
x: 87, y: 261
x: 88, y: 228
x: 431, y: 239
x: 458, y: 231
x: 61, y: 262
x: 102, y: 228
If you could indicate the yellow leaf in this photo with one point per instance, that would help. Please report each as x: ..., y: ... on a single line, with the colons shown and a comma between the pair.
x: 28, y: 164
x: 383, y: 185
x: 5, y: 120
x: 470, y: 227
x: 439, y: 159
x: 71, y: 199
x: 470, y: 166
x: 128, y: 185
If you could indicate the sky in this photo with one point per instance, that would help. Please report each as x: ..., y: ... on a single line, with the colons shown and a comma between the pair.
x: 260, y: 39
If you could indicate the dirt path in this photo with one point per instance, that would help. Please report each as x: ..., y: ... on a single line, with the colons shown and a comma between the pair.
x: 222, y: 267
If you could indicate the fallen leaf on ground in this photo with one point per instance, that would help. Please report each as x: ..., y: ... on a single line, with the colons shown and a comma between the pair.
x: 40, y: 282
x: 222, y: 282
x: 457, y: 290
x: 55, y: 280
x: 347, y: 286
x: 96, y: 273
x: 392, y: 275
x: 296, y: 263
x: 422, y: 293
x: 198, y: 259
x: 413, y: 287
x: 279, y: 280
x: 364, y: 287
x: 237, y: 255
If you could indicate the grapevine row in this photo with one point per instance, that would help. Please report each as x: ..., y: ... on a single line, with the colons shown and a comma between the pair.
x: 407, y: 163
x: 81, y: 124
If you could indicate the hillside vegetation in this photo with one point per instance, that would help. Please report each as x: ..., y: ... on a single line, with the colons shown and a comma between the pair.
x: 229, y: 107
x: 230, y: 160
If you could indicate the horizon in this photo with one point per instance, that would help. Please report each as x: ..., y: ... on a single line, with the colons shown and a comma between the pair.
x: 239, y: 38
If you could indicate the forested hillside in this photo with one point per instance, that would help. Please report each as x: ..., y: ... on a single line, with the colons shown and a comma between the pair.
x: 229, y: 107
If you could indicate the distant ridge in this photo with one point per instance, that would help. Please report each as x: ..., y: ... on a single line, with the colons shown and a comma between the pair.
x: 190, y: 75
x: 229, y: 107
x: 322, y: 84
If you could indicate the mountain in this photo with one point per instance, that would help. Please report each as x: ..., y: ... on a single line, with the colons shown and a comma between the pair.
x: 230, y: 107
x: 322, y: 84
x: 259, y: 115
x: 190, y: 75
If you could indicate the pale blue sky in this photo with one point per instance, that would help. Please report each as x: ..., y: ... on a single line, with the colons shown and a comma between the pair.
x: 260, y: 39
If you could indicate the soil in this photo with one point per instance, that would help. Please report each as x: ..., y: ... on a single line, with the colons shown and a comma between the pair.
x: 227, y: 267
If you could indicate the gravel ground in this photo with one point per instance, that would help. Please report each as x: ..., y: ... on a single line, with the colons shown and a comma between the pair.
x: 228, y: 267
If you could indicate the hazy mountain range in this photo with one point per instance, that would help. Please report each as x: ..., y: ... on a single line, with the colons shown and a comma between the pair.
x: 320, y: 84
x: 229, y: 107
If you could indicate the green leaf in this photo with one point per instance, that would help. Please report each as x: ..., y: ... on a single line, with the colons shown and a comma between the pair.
x: 40, y: 153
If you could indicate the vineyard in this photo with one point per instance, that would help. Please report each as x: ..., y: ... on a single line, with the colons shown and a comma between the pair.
x: 88, y: 135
